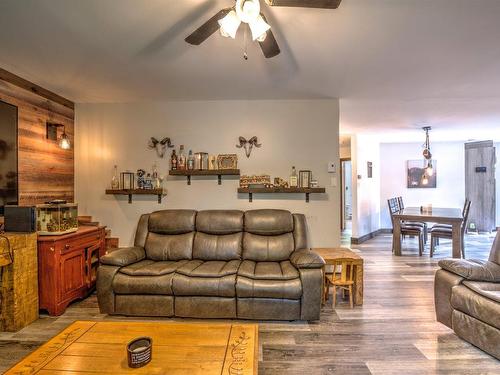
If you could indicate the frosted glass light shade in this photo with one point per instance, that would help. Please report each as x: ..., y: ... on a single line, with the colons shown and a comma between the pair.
x: 248, y: 10
x: 259, y: 29
x: 64, y: 142
x: 229, y: 25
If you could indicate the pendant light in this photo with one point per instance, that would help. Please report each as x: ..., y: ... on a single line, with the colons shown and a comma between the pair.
x: 428, y: 168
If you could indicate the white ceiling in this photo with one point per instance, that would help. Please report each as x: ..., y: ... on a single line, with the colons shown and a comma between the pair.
x: 395, y: 64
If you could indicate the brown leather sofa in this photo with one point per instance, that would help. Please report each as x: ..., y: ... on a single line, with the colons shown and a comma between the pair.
x: 467, y: 299
x: 214, y: 264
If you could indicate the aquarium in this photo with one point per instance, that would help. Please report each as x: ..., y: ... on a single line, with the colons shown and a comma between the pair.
x: 56, y: 219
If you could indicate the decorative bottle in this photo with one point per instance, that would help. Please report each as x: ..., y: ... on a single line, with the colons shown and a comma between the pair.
x: 182, y: 158
x: 173, y: 161
x: 190, y: 161
x: 293, y: 178
x: 115, y: 182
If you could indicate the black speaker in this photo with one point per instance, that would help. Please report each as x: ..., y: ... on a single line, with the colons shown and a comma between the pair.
x: 20, y: 219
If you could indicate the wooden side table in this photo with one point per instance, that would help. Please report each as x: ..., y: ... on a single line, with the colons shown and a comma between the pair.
x: 331, y: 254
x: 19, y: 282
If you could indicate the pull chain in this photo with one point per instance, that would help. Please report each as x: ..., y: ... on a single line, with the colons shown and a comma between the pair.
x: 245, y: 45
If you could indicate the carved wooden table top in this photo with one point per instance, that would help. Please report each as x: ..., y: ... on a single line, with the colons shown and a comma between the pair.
x: 178, y: 348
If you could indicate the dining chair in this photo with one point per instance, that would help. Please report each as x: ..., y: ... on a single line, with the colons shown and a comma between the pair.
x: 419, y: 223
x: 407, y: 229
x: 435, y: 226
x: 342, y: 278
x: 446, y: 233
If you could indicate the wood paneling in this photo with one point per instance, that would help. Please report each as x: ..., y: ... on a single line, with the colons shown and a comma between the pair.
x: 45, y: 170
x: 18, y: 283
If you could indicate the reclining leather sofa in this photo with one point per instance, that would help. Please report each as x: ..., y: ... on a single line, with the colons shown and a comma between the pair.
x: 467, y: 299
x: 214, y: 264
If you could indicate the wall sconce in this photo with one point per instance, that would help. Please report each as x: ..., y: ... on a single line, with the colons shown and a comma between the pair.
x: 63, y: 141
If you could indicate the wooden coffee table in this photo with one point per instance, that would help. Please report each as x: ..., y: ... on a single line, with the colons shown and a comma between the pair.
x: 178, y: 348
x: 339, y: 253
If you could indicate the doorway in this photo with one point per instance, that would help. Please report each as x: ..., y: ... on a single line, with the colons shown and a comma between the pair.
x: 346, y: 197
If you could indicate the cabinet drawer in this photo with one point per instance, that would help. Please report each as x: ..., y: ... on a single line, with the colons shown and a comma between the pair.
x: 80, y: 242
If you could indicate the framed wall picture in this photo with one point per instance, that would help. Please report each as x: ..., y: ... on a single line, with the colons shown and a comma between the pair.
x: 419, y: 176
x: 227, y: 161
x: 305, y: 179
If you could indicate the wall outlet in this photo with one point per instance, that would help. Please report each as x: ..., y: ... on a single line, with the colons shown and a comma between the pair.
x: 332, y: 167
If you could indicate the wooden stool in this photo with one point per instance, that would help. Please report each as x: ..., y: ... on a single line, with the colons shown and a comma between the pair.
x: 342, y: 277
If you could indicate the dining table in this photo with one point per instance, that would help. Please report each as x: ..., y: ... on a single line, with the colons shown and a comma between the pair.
x: 452, y: 216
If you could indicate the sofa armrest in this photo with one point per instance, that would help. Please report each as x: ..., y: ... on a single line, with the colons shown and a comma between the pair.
x: 305, y: 258
x: 124, y: 256
x: 472, y: 269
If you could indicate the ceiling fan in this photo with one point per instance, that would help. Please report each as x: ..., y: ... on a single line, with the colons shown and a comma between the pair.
x: 228, y: 21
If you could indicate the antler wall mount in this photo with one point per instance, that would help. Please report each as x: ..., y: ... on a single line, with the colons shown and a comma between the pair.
x: 160, y: 146
x: 248, y: 145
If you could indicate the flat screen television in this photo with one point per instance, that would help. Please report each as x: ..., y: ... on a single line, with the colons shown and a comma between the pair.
x: 8, y: 155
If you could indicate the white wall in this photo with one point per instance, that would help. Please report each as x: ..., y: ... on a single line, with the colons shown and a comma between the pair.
x: 365, y: 191
x: 450, y: 169
x: 300, y: 133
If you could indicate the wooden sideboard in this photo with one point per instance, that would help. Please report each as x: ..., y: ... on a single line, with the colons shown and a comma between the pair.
x: 18, y: 285
x: 67, y: 266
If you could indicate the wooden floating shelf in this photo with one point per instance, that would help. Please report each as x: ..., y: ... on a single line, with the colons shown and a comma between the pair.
x: 158, y: 192
x: 206, y: 172
x: 277, y: 190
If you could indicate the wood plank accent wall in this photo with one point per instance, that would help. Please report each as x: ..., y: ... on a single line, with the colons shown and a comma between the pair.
x: 45, y: 170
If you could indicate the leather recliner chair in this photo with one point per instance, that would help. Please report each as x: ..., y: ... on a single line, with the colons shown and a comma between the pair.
x: 214, y: 264
x: 467, y: 299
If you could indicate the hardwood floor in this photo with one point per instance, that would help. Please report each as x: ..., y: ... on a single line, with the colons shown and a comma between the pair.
x: 394, y: 332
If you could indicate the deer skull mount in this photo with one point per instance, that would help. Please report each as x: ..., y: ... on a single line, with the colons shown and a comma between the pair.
x: 160, y: 146
x: 248, y: 145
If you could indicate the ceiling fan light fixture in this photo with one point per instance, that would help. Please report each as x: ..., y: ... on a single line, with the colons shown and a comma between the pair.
x: 229, y: 25
x: 259, y: 29
x: 248, y: 10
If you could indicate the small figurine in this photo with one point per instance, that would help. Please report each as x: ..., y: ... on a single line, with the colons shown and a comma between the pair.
x: 140, y: 178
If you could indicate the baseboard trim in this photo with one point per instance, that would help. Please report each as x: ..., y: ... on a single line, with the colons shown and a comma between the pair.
x: 366, y: 237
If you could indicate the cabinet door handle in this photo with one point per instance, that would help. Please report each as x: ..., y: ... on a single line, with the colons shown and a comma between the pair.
x: 66, y: 246
x: 52, y: 249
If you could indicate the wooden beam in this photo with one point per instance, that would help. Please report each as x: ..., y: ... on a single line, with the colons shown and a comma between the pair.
x: 30, y: 86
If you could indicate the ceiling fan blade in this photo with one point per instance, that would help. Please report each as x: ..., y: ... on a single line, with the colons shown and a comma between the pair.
x: 207, y: 29
x: 324, y: 4
x: 269, y: 46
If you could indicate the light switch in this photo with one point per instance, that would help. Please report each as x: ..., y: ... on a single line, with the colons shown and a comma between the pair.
x: 332, y: 168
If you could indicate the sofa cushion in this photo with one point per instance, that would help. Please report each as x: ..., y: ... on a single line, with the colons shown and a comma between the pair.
x: 268, y: 270
x: 199, y: 268
x: 169, y: 247
x: 152, y: 268
x: 211, y: 278
x: 268, y: 222
x: 219, y: 221
x: 470, y: 302
x: 217, y: 247
x: 126, y: 284
x: 268, y: 280
x: 267, y: 248
x: 172, y: 221
x: 488, y: 290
